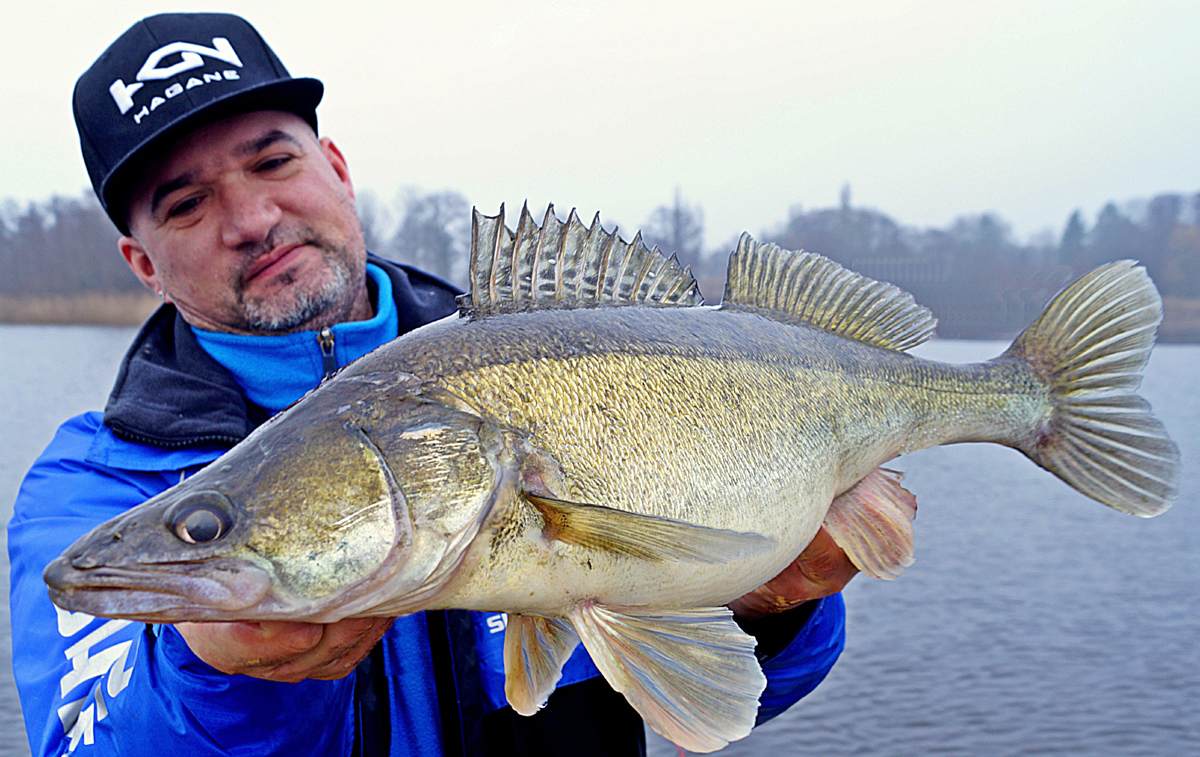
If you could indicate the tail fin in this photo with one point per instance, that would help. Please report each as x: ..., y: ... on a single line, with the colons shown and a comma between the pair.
x: 1089, y: 346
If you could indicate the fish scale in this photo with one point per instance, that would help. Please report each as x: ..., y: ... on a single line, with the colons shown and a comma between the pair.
x: 673, y: 443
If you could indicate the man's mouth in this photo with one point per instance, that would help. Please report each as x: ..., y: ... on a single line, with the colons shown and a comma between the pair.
x: 274, y: 262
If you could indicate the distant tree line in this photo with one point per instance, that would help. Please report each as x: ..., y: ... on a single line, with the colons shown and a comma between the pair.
x: 431, y: 231
x: 979, y: 281
x: 975, y: 277
x: 63, y: 246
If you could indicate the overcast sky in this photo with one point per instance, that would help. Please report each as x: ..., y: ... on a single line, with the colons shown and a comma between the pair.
x: 929, y: 110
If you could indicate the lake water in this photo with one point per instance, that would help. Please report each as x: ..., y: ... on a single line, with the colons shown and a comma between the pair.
x: 1034, y: 621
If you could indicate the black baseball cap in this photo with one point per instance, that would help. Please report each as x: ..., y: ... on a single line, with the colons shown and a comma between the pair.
x: 169, y: 75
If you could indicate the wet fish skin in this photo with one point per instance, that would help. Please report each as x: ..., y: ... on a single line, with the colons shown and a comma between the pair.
x: 688, y: 431
x: 618, y: 474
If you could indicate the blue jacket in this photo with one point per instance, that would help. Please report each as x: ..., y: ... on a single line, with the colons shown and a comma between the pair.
x: 433, y: 686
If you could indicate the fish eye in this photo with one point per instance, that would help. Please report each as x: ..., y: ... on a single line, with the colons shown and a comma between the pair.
x: 201, y: 518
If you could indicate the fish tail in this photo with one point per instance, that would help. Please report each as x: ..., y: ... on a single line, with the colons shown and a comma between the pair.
x: 1089, y: 347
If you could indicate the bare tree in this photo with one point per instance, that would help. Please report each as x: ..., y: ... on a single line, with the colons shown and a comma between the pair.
x: 678, y: 229
x: 436, y: 234
x: 1070, y: 250
x: 377, y: 223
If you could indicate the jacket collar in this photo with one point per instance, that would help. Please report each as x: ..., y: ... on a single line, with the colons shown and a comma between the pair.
x: 171, y: 394
x: 275, y: 371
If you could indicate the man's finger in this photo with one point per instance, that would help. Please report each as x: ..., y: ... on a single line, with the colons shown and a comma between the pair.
x: 824, y: 565
x: 237, y: 647
x: 342, y: 646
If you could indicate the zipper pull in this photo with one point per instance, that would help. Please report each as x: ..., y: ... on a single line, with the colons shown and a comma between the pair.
x: 328, y: 361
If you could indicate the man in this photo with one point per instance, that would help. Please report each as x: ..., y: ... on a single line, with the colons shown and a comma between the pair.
x: 204, y: 152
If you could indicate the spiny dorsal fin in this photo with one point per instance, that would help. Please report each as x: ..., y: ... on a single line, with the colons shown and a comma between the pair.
x: 566, y: 265
x: 803, y: 287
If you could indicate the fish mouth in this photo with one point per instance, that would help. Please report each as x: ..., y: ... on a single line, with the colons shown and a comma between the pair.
x: 163, y: 592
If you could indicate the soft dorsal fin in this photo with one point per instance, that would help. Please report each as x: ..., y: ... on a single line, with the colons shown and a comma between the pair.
x: 566, y: 265
x: 803, y: 287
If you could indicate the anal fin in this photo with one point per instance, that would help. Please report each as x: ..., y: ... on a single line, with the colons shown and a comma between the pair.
x: 691, y: 673
x: 643, y: 536
x: 872, y: 522
x: 535, y: 650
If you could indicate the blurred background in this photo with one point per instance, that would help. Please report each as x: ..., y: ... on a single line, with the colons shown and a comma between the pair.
x: 978, y: 154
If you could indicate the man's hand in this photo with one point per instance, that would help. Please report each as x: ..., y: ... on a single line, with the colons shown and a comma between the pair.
x: 820, y: 570
x: 278, y: 650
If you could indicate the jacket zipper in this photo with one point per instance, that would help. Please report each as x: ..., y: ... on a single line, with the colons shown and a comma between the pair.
x: 328, y: 361
x: 173, y: 444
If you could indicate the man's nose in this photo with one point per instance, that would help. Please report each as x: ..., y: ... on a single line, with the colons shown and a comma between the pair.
x: 250, y: 212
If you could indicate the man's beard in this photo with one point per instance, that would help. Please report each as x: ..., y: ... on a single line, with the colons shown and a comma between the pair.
x: 281, y: 317
x: 291, y: 310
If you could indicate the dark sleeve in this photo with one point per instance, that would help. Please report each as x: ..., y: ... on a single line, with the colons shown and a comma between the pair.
x: 797, y: 649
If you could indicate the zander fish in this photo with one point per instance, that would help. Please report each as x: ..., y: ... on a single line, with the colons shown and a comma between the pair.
x: 588, y: 448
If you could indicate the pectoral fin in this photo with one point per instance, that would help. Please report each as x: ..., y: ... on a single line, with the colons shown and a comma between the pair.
x: 535, y: 650
x: 691, y: 674
x: 872, y: 522
x: 643, y: 536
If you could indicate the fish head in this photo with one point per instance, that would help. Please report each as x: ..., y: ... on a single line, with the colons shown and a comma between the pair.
x: 312, y: 517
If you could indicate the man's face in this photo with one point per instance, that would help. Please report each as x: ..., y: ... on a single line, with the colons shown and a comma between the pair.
x: 248, y: 226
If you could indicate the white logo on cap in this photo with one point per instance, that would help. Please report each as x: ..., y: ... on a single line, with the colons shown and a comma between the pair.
x: 191, y: 56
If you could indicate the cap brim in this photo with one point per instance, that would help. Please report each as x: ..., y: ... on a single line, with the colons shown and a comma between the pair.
x: 300, y: 96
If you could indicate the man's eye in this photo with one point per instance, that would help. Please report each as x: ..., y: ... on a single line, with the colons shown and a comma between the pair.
x: 270, y: 164
x: 183, y: 208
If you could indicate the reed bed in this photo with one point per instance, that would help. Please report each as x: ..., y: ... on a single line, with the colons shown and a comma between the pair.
x: 90, y: 308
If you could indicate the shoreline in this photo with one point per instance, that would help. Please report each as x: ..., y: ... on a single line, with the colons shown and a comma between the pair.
x: 1180, y: 325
